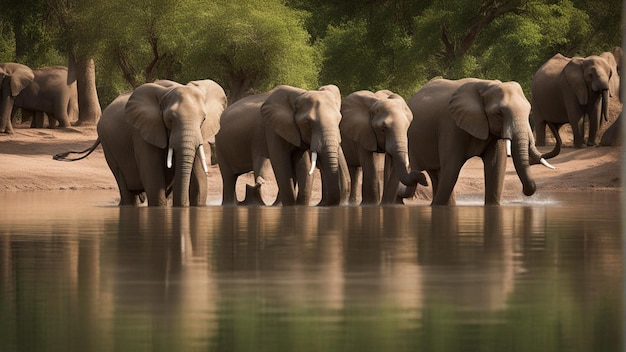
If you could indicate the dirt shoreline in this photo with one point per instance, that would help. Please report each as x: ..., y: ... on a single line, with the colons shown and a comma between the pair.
x: 27, y: 165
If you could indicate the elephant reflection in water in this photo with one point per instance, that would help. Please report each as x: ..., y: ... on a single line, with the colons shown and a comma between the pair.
x: 381, y: 243
x: 457, y: 246
x: 296, y: 256
x: 163, y: 272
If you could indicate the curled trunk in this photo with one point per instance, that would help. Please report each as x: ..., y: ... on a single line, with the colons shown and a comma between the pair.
x: 400, y: 161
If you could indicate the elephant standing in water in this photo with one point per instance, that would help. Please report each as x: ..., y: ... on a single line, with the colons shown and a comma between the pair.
x: 454, y: 120
x: 564, y: 90
x: 153, y: 140
x: 283, y: 126
x: 376, y: 124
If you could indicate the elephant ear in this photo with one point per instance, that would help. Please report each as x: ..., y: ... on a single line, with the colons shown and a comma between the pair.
x: 356, y: 123
x: 334, y: 91
x: 466, y: 109
x: 143, y: 111
x: 21, y: 76
x: 575, y: 78
x: 214, y: 104
x: 278, y: 113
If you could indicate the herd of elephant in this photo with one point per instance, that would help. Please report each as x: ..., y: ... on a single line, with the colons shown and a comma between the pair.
x: 154, y: 137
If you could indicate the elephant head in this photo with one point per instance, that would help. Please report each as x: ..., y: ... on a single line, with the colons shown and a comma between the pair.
x: 484, y: 108
x: 179, y: 118
x: 14, y: 78
x: 378, y: 122
x: 309, y: 120
x: 587, y: 76
x: 614, y: 59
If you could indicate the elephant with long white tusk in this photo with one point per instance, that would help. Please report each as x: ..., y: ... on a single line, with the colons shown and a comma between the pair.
x: 289, y: 132
x: 454, y: 120
x: 153, y: 140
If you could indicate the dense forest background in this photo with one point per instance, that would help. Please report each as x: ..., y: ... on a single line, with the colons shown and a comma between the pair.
x: 250, y: 46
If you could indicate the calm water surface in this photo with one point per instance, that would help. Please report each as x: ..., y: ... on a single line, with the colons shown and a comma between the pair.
x: 78, y: 273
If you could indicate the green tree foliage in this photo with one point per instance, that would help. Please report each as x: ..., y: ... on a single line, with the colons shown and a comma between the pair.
x: 251, y: 46
x: 399, y: 45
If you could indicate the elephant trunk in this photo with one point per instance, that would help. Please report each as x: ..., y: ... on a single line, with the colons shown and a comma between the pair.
x: 184, y: 157
x: 605, y: 106
x: 520, y: 153
x: 331, y: 177
x: 344, y: 178
x: 535, y: 155
x: 400, y: 161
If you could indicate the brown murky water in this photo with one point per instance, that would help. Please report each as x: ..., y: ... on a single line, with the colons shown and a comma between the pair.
x: 78, y: 273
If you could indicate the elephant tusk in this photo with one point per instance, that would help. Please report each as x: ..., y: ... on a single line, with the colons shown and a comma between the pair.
x: 170, y: 152
x: 203, y: 158
x: 508, y: 147
x: 313, y: 162
x: 546, y: 164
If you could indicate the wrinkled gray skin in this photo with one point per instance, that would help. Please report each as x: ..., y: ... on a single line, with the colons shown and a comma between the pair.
x: 138, y: 128
x: 52, y: 93
x: 278, y: 131
x: 14, y: 78
x: 456, y: 120
x: 373, y: 125
x: 564, y: 90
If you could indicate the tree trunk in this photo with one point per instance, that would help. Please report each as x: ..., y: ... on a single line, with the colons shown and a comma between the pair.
x: 84, y: 71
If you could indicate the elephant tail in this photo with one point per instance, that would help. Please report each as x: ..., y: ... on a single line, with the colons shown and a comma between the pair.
x: 64, y: 156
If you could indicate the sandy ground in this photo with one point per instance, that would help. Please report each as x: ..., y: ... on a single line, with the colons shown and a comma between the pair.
x: 27, y: 165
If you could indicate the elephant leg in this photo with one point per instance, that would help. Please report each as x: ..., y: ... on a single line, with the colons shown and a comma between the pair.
x: 39, y: 119
x: 126, y: 196
x: 304, y: 181
x: 229, y: 181
x: 434, y: 179
x: 391, y: 183
x: 152, y: 175
x: 448, y: 176
x: 540, y: 132
x: 198, y: 185
x: 594, y: 123
x: 354, y: 183
x: 52, y: 120
x: 577, y: 121
x: 494, y: 161
x: 283, y: 171
x: 262, y: 169
x: 370, y: 193
x: 62, y: 117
